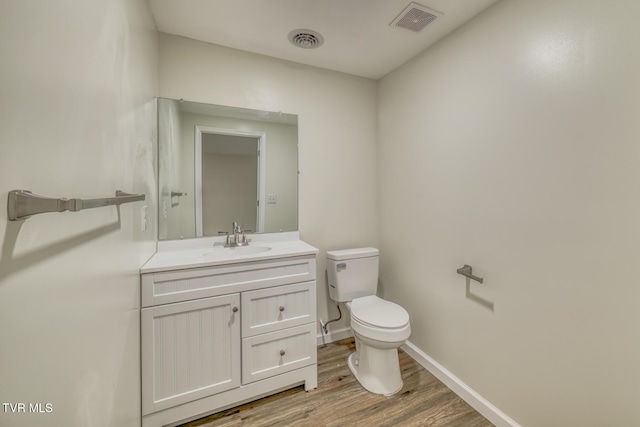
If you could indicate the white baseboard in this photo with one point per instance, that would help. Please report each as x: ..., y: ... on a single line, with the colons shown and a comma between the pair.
x: 336, y: 335
x: 477, y: 402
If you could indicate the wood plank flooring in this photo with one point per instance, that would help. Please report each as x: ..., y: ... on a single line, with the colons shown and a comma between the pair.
x: 340, y: 401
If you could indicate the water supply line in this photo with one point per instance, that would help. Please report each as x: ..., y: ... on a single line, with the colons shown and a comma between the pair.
x: 324, y: 325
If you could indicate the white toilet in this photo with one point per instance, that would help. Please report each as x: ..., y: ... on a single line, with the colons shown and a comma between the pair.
x: 379, y: 326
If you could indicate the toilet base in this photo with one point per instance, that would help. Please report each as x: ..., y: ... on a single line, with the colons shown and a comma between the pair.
x: 377, y: 370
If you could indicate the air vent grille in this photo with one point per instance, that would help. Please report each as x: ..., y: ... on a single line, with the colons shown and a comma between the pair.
x: 415, y: 17
x: 306, y: 39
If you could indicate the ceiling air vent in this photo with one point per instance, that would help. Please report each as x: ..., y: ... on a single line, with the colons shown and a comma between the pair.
x: 306, y: 39
x: 415, y: 17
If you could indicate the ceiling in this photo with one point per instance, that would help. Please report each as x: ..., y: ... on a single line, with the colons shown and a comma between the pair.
x: 357, y: 37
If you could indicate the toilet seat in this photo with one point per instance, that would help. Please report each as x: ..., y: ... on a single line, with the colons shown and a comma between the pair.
x: 379, y: 320
x: 379, y: 313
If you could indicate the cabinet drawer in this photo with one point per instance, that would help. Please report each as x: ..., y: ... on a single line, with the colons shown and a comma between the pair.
x: 267, y: 310
x: 184, y: 285
x: 271, y: 354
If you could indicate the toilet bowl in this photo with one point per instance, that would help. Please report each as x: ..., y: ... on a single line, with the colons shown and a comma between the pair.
x: 379, y: 328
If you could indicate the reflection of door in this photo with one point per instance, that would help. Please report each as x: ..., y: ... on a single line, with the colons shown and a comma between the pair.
x: 229, y: 186
x: 229, y: 182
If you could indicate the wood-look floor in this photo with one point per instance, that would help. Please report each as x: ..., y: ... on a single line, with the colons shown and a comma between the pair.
x: 340, y: 401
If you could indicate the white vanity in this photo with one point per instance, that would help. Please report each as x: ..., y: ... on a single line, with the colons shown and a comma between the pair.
x: 222, y: 326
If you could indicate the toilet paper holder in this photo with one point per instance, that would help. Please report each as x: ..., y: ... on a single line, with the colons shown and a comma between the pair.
x: 466, y: 270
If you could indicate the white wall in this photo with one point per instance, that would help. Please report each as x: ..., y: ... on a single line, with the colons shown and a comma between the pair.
x: 336, y: 133
x: 77, y: 120
x: 513, y: 146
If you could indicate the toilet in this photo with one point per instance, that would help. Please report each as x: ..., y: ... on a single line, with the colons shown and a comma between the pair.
x: 379, y: 326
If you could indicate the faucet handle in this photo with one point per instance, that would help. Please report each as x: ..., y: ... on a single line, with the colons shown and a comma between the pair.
x: 224, y: 233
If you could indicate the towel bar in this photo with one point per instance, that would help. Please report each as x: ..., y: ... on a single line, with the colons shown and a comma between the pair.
x: 22, y: 204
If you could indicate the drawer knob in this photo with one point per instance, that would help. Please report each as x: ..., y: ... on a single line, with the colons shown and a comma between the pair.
x: 281, y: 308
x: 234, y: 309
x: 282, y: 352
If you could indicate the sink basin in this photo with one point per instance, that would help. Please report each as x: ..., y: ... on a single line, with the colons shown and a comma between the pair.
x: 245, y: 250
x: 212, y: 254
x: 235, y: 251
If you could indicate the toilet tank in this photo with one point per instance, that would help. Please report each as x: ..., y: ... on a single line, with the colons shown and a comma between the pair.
x: 353, y: 273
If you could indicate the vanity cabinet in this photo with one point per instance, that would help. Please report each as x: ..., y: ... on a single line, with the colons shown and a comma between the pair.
x: 217, y: 336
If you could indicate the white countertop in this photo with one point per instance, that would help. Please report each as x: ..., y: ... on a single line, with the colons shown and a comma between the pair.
x: 210, y: 252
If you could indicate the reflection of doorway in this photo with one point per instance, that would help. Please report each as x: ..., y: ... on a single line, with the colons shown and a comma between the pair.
x: 229, y: 179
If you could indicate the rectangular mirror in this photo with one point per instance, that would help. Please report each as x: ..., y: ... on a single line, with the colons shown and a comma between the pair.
x: 220, y: 164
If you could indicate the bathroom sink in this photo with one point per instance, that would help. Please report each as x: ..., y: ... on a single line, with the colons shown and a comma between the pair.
x: 205, y: 253
x: 244, y: 250
x: 214, y: 254
x: 235, y: 251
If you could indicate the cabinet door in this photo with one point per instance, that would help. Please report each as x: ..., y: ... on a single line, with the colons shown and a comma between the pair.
x: 189, y: 350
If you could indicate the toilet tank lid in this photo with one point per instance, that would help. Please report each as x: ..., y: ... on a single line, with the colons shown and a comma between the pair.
x: 352, y: 253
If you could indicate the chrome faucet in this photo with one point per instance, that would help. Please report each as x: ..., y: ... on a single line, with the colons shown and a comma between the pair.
x: 238, y: 238
x: 236, y: 233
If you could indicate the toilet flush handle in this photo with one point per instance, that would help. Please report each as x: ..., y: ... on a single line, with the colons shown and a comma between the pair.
x: 341, y: 266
